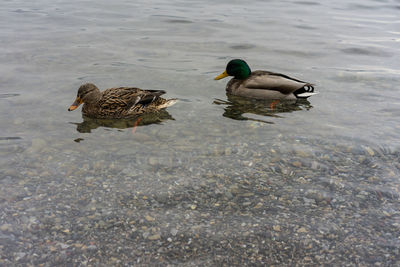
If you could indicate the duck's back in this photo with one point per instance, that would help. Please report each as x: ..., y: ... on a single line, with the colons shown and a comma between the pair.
x: 120, y: 97
x: 121, y: 102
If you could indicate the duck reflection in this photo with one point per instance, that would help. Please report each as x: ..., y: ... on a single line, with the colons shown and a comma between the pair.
x: 90, y: 124
x: 237, y: 106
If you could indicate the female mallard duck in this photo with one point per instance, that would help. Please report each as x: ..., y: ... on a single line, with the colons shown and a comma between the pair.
x: 121, y: 102
x: 262, y: 84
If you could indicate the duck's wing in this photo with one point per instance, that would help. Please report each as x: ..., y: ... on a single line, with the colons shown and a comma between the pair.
x: 127, y: 97
x: 147, y: 96
x: 274, y: 81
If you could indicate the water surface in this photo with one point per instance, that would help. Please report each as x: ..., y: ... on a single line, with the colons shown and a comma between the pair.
x: 212, y: 180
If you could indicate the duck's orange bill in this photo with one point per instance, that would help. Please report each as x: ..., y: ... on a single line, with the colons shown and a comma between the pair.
x: 76, y: 104
x: 221, y: 76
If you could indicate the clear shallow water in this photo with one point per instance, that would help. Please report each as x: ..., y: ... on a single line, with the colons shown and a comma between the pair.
x: 211, y: 180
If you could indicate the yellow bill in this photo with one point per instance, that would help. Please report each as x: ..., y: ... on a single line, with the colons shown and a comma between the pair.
x: 221, y: 76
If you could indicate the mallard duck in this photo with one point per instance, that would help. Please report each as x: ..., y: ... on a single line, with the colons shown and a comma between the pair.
x: 121, y: 102
x: 263, y: 84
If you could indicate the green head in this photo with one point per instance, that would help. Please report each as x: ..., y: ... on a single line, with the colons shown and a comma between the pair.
x: 237, y: 68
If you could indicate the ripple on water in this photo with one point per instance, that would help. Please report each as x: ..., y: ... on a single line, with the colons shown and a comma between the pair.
x: 305, y: 27
x: 8, y: 95
x: 307, y: 3
x: 298, y: 53
x: 182, y: 21
x: 366, y: 51
x: 10, y: 138
x: 242, y: 46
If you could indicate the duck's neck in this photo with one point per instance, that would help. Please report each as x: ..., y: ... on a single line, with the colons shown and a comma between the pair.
x: 243, y: 75
x: 91, y: 105
x: 94, y: 98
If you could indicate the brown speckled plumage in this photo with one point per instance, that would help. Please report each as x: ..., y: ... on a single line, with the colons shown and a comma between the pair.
x: 121, y: 102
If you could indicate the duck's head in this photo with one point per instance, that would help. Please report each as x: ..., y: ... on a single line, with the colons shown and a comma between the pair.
x: 237, y: 68
x: 87, y: 93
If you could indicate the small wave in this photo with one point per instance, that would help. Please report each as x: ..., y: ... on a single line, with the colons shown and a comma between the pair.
x: 184, y: 21
x: 365, y: 51
x: 10, y: 138
x: 242, y: 46
x: 8, y: 95
x: 307, y: 3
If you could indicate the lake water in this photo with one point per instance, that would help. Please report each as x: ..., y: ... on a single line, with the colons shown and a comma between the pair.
x: 211, y: 180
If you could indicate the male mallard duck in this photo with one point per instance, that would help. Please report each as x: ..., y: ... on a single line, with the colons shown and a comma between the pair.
x: 262, y: 84
x: 121, y: 102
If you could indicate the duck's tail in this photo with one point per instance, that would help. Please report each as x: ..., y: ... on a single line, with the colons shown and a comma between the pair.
x: 305, y: 92
x: 168, y: 103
